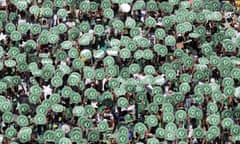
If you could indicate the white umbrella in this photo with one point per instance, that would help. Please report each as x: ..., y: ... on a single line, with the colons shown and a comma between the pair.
x: 125, y: 8
x: 66, y: 128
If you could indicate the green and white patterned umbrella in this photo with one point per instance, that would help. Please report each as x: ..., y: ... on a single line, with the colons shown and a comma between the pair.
x: 168, y: 117
x: 180, y: 115
x: 84, y: 6
x: 35, y: 29
x: 91, y: 93
x: 215, y: 130
x: 89, y: 110
x: 93, y: 136
x: 24, y: 108
x: 108, y: 13
x: 122, y: 102
x: 170, y: 40
x: 47, y: 12
x: 22, y: 121
x: 227, y: 123
x: 56, y: 81
x: 23, y: 27
x: 184, y: 88
x: 112, y: 70
x: 10, y: 27
x: 24, y: 135
x: 34, y: 9
x: 150, y: 22
x: 118, y: 24
x: 152, y: 121
x: 125, y: 53
x: 10, y: 132
x: 160, y: 33
x: 62, y: 13
x: 153, y: 108
x: 213, y: 119
x: 130, y: 23
x: 3, y: 15
x: 78, y: 111
x: 181, y: 133
x: 7, y: 117
x: 138, y: 5
x: 151, y: 6
x: 49, y: 136
x: 103, y: 126
x: 235, y: 130
x: 21, y: 5
x: 149, y: 70
x: 160, y: 132
x: 58, y: 108
x: 15, y: 36
x: 109, y: 61
x: 64, y: 140
x: 198, y: 133
x: 10, y: 63
x: 93, y: 6
x: 40, y: 119
x: 153, y: 141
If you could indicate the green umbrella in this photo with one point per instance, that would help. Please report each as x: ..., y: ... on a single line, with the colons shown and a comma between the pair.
x: 99, y: 54
x: 123, y: 130
x: 98, y: 29
x: 125, y: 53
x: 148, y: 54
x: 13, y: 51
x: 75, y: 97
x: 23, y: 27
x: 235, y: 73
x: 153, y: 107
x: 47, y: 3
x: 134, y: 68
x: 41, y: 109
x: 108, y: 13
x: 6, y: 106
x: 24, y: 108
x: 84, y: 6
x: 89, y: 110
x: 91, y: 93
x: 210, y: 135
x: 3, y: 15
x: 34, y: 9
x: 160, y: 33
x: 47, y: 12
x: 78, y: 111
x: 122, y: 102
x: 10, y: 27
x: 62, y: 28
x: 130, y: 23
x: 213, y: 119
x: 40, y: 119
x: 34, y: 98
x: 150, y: 22
x: 152, y: 121
x: 228, y: 7
x: 159, y: 99
x: 151, y: 6
x: 181, y: 133
x: 118, y: 24
x: 188, y: 61
x: 7, y: 117
x: 149, y: 70
x: 112, y: 70
x: 87, y: 54
x: 138, y: 54
x: 77, y: 63
x: 55, y: 98
x: 58, y: 3
x: 181, y: 115
x: 153, y: 141
x: 35, y: 29
x: 58, y: 108
x: 62, y: 13
x: 15, y: 36
x: 99, y: 74
x: 56, y: 81
x: 10, y: 132
x: 93, y: 136
x: 109, y: 61
x: 21, y: 5
x: 184, y: 88
x: 93, y: 6
x: 66, y: 91
x: 215, y: 130
x: 235, y: 130
x: 227, y: 123
x: 140, y: 128
x: 138, y: 5
x: 170, y: 40
x: 22, y: 121
x: 10, y: 63
x: 171, y: 75
x: 73, y: 33
x: 53, y: 38
x: 84, y: 26
x: 73, y: 80
x: 134, y: 32
x: 113, y: 83
x: 198, y: 132
x: 24, y: 135
x: 49, y: 136
x: 64, y: 140
x: 103, y: 126
x: 229, y: 90
x: 169, y: 135
x: 168, y: 117
x: 160, y: 132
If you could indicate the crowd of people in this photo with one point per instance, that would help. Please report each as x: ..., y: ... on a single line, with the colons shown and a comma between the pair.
x: 119, y: 71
